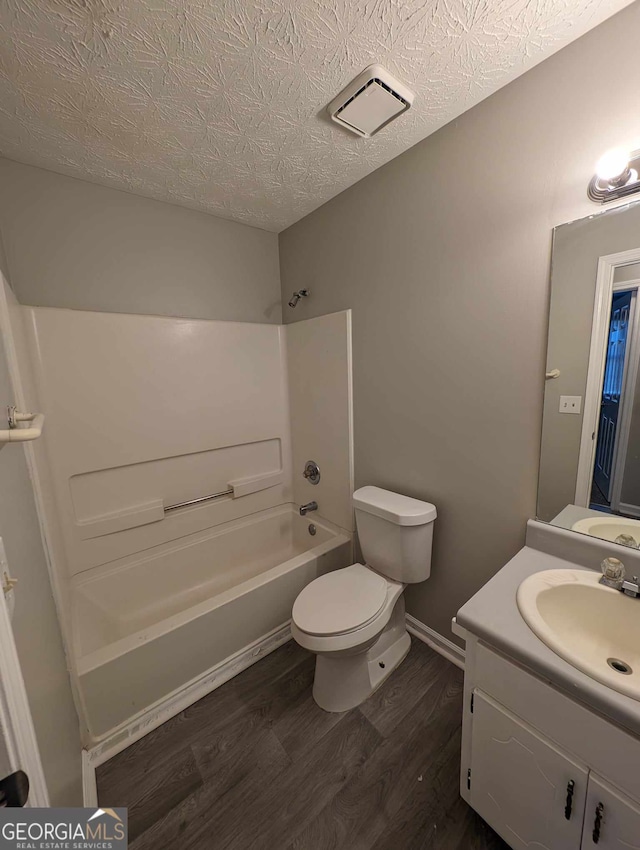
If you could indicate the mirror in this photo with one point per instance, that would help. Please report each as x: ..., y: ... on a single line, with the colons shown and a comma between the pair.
x: 590, y: 456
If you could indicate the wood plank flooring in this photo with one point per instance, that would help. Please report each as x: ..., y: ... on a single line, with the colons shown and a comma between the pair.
x: 256, y: 765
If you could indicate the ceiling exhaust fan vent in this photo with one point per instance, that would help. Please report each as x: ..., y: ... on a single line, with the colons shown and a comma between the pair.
x: 370, y: 102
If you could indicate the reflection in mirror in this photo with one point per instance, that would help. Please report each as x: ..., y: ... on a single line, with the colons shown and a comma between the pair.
x: 590, y: 458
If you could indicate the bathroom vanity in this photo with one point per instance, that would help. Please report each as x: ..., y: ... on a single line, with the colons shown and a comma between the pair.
x: 550, y: 755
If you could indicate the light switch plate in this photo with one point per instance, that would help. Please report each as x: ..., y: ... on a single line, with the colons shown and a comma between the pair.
x: 570, y: 403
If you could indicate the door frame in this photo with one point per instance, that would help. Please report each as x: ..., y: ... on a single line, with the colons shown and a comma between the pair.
x: 607, y: 266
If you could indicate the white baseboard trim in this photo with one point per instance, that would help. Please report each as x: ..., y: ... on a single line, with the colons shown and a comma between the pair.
x: 173, y: 704
x: 445, y: 647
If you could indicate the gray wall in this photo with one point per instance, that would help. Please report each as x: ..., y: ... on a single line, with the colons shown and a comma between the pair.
x: 443, y: 254
x: 576, y: 250
x: 630, y: 491
x: 74, y: 244
x: 35, y: 624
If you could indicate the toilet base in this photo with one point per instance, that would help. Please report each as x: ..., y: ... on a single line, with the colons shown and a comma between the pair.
x: 343, y: 681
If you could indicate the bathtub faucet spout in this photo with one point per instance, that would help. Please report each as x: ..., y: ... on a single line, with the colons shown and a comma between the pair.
x: 310, y: 506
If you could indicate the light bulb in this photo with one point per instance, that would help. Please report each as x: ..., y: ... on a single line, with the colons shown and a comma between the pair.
x: 613, y: 164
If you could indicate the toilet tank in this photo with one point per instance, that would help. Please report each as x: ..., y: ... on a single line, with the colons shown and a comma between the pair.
x: 395, y: 533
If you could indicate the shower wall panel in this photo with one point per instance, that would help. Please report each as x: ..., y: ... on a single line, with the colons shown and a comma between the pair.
x: 143, y: 412
x: 319, y: 365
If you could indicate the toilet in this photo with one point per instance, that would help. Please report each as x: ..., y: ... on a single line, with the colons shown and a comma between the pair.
x: 354, y: 618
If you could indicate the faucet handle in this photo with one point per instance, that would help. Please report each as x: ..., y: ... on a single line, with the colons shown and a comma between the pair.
x: 627, y: 540
x: 612, y: 573
x: 311, y: 472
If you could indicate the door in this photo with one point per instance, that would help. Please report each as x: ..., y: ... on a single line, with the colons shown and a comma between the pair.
x: 612, y: 820
x: 526, y: 788
x: 18, y: 745
x: 612, y: 391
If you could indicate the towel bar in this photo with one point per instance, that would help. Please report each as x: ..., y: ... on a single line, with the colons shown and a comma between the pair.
x: 22, y: 435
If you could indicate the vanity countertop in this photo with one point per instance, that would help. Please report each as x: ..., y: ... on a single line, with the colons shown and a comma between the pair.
x: 493, y: 616
x: 572, y: 514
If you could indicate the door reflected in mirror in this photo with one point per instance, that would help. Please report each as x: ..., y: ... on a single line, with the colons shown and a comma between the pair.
x: 613, y: 464
x: 590, y: 458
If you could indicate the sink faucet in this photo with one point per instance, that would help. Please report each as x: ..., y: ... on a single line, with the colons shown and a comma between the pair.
x: 631, y: 588
x: 613, y: 576
x: 310, y: 506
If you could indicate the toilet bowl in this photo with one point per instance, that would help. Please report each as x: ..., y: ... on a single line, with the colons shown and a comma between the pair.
x: 354, y: 618
x: 341, y: 617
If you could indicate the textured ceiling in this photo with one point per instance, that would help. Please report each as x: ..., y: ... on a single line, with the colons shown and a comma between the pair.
x: 218, y: 104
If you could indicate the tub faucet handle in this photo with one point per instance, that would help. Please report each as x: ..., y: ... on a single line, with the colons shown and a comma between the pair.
x: 310, y: 506
x: 311, y: 472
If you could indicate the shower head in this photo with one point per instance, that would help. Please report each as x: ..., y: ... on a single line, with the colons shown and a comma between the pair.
x: 301, y: 293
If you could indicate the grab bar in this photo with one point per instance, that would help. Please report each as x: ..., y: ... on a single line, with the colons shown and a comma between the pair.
x: 154, y: 511
x: 238, y: 488
x: 188, y: 504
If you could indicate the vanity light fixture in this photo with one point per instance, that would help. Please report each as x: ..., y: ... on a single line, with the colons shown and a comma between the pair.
x: 616, y: 176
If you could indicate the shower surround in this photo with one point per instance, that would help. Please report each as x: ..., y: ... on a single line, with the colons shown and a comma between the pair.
x: 144, y: 413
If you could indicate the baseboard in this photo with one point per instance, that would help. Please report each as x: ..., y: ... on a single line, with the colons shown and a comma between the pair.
x: 173, y: 704
x: 445, y: 647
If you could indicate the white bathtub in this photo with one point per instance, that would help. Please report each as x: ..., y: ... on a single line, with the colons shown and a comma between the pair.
x: 146, y: 629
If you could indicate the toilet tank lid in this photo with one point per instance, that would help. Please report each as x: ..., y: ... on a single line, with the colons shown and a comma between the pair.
x: 401, y: 510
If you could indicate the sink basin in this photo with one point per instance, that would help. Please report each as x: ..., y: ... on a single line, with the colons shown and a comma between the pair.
x: 608, y: 527
x: 595, y: 628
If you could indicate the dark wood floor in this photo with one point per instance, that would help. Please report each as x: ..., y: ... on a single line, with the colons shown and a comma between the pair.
x: 256, y: 765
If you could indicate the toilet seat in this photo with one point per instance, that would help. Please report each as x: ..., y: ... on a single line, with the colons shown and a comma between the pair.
x: 340, y: 602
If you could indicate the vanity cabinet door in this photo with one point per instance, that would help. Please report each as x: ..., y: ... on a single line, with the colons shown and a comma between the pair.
x: 611, y: 820
x: 527, y: 789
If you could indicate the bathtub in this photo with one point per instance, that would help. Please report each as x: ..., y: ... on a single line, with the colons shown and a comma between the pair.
x: 149, y: 628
